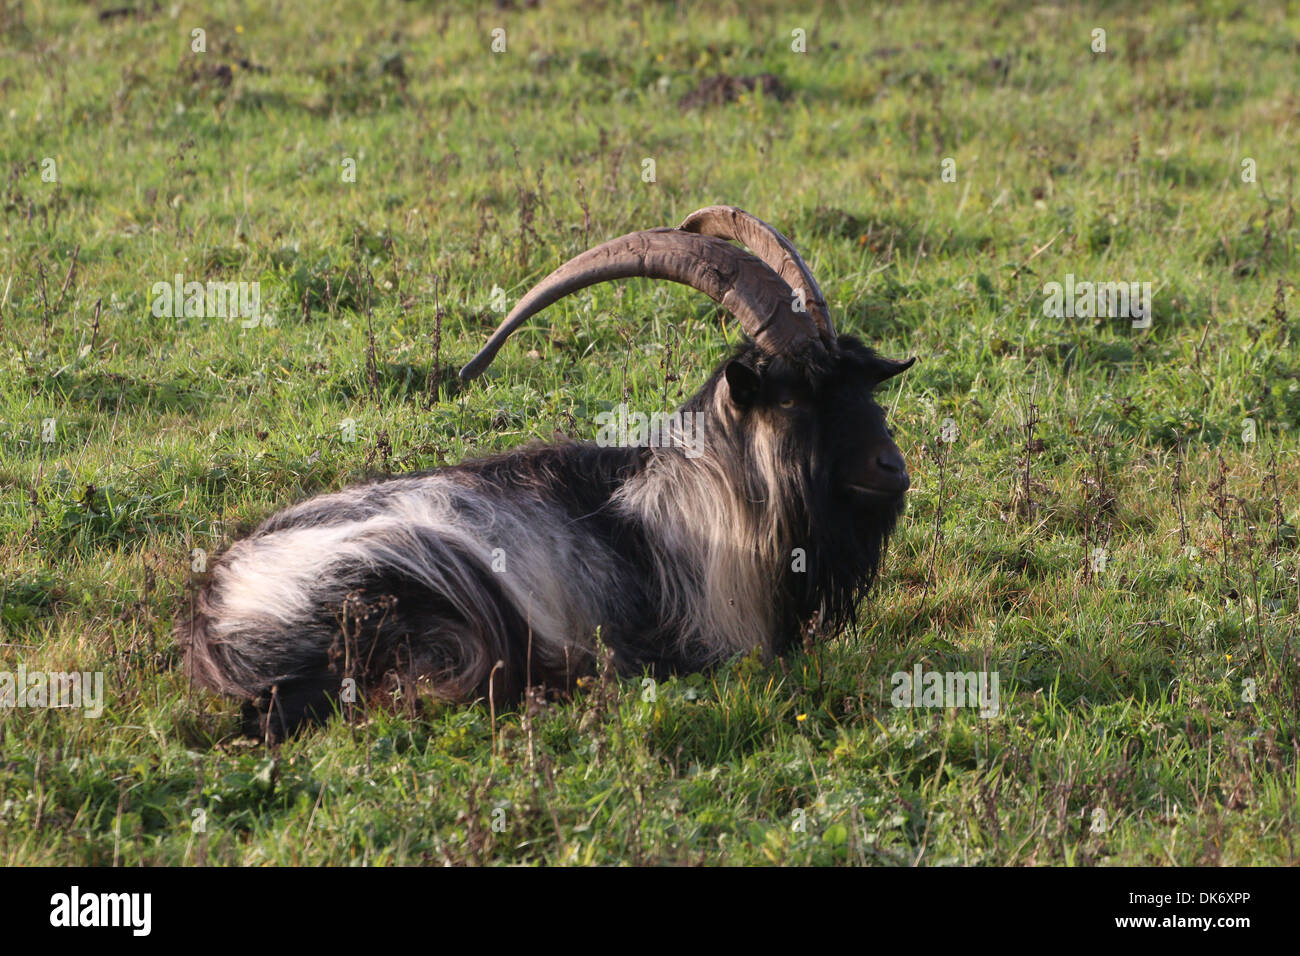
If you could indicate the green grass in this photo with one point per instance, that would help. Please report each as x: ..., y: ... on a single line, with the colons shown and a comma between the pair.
x: 1122, y: 689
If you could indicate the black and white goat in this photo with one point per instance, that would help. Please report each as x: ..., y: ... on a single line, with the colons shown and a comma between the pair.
x: 474, y: 580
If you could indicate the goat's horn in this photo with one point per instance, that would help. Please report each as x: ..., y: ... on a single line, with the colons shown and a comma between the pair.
x: 739, y: 282
x: 728, y: 222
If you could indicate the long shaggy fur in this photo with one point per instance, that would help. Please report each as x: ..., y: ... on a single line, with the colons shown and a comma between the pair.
x: 482, y: 578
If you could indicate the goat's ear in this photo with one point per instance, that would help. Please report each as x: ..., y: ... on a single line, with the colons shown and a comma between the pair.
x: 742, y: 382
x: 889, y: 368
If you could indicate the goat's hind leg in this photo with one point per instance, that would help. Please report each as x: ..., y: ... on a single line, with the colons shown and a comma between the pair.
x: 290, y: 705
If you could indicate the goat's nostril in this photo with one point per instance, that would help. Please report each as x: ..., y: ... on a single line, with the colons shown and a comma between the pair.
x: 891, y: 462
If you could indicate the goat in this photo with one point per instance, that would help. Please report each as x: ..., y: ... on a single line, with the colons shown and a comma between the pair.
x: 484, y: 578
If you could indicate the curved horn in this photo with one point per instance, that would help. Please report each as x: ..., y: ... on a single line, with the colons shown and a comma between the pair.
x: 739, y: 282
x: 728, y: 222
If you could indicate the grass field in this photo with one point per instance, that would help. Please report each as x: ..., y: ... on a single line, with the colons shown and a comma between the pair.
x: 1105, y: 530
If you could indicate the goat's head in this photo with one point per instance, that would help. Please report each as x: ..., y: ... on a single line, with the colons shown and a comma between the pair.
x: 798, y: 387
x: 826, y: 410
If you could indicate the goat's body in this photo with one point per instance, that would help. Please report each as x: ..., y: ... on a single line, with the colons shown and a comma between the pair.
x: 677, y: 561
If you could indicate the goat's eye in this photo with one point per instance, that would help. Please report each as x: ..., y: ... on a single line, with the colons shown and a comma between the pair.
x: 788, y: 403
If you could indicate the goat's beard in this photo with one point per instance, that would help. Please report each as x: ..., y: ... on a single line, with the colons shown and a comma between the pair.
x: 852, y: 533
